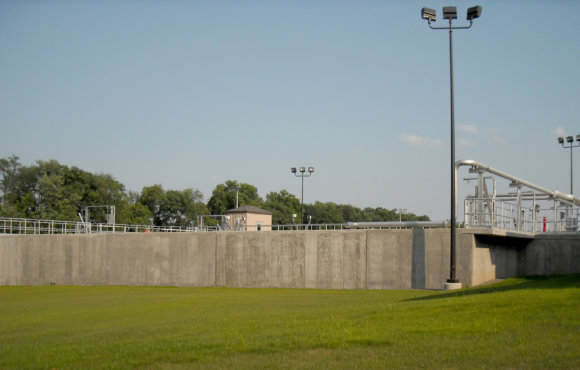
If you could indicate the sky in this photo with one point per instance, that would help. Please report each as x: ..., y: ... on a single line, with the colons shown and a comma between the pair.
x: 189, y: 94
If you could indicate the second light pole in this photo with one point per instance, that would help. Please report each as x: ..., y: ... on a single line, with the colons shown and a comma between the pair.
x: 302, y: 174
x: 430, y: 15
x: 570, y: 141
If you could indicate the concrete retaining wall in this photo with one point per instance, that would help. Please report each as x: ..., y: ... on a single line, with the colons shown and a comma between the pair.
x: 553, y: 254
x: 349, y: 259
x: 496, y: 257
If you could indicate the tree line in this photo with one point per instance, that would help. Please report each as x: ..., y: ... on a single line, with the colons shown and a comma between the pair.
x: 53, y: 191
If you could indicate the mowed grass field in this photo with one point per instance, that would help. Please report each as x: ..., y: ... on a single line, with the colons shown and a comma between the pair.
x: 529, y: 322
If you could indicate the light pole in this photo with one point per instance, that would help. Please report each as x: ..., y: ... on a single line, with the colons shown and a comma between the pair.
x: 302, y: 174
x: 237, y: 189
x: 570, y: 141
x: 400, y: 212
x: 450, y: 12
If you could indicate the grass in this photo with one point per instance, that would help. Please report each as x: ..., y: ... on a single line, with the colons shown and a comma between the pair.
x: 529, y: 322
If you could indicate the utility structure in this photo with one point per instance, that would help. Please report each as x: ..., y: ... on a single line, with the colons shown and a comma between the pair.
x: 302, y: 175
x: 570, y: 141
x: 450, y: 13
x: 109, y: 214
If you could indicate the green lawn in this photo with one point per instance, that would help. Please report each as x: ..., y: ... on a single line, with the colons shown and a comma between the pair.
x: 519, y: 323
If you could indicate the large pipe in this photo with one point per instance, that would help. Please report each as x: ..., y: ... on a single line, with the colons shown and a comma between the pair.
x: 396, y: 224
x: 552, y: 193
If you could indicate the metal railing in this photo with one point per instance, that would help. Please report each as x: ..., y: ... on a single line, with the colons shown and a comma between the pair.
x: 33, y: 226
x: 505, y: 215
x: 526, y: 207
x: 25, y: 226
x: 306, y: 227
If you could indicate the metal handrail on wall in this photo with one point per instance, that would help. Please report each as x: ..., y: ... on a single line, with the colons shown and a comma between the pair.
x: 25, y: 226
x: 513, y: 217
x: 529, y: 208
x: 34, y: 226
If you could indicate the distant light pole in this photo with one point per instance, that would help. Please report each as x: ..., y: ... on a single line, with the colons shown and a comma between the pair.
x: 237, y: 189
x: 450, y: 12
x: 570, y: 141
x: 302, y: 174
x: 401, y: 211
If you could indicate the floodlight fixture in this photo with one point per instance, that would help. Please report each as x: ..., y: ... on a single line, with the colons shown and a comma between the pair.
x: 449, y: 12
x: 473, y: 12
x: 568, y: 142
x: 302, y: 174
x: 429, y: 14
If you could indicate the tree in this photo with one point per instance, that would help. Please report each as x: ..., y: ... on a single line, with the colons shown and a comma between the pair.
x: 97, y: 190
x: 50, y: 190
x: 172, y: 207
x: 10, y: 170
x: 54, y: 200
x: 323, y: 213
x: 282, y: 205
x: 153, y: 197
x: 194, y: 205
x: 380, y: 214
x: 351, y: 213
x: 223, y: 197
x: 135, y: 214
x: 17, y: 186
x: 53, y: 191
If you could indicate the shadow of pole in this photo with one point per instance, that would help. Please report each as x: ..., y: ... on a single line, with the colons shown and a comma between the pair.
x: 519, y: 283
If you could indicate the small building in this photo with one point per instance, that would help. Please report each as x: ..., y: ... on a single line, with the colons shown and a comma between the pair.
x: 249, y: 218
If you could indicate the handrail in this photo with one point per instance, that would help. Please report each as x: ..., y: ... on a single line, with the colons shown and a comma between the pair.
x: 495, y: 211
x: 480, y: 166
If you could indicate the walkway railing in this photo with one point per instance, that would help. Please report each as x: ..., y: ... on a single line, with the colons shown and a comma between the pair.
x: 526, y: 207
x: 33, y: 226
x: 506, y: 215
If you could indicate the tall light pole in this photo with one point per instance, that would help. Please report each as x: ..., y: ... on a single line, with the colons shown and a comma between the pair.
x: 570, y: 141
x: 237, y: 189
x: 302, y: 174
x: 400, y: 211
x: 450, y: 12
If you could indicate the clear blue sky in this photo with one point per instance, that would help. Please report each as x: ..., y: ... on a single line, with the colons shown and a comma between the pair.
x: 189, y: 94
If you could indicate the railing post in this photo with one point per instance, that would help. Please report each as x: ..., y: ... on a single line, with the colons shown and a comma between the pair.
x: 492, y: 212
x: 555, y: 215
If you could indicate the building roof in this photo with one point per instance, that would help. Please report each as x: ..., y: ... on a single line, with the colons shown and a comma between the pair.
x: 249, y: 209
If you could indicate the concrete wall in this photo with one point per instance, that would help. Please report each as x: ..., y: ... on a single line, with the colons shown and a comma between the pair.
x: 496, y: 257
x: 553, y: 254
x: 349, y: 259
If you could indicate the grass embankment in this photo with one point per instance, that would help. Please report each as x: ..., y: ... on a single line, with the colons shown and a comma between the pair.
x: 519, y: 323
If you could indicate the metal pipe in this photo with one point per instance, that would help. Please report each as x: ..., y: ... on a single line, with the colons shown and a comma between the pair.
x: 396, y: 224
x: 552, y: 193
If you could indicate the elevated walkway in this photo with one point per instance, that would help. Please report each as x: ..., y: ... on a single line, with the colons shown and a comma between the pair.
x: 515, y: 205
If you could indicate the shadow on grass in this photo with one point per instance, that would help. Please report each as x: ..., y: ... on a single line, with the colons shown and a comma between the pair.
x: 519, y: 283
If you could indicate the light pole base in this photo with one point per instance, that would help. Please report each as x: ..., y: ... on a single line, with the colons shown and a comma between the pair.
x: 452, y: 286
